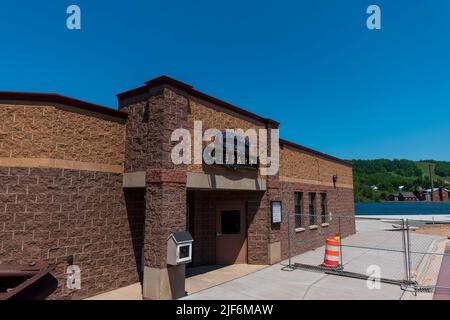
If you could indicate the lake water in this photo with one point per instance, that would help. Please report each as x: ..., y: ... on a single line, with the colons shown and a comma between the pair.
x: 402, y: 208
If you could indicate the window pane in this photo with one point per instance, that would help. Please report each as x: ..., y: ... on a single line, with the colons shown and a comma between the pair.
x: 184, y: 251
x: 323, y: 207
x: 298, y: 209
x: 231, y: 222
x: 312, y: 208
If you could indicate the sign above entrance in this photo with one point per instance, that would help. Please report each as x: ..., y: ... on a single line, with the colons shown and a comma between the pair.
x: 236, y: 152
x: 276, y: 211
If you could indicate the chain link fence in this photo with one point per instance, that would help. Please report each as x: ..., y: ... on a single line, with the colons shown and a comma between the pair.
x: 399, y: 251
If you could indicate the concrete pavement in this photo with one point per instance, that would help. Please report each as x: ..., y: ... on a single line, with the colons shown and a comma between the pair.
x: 274, y: 283
x: 247, y: 282
x: 197, y: 279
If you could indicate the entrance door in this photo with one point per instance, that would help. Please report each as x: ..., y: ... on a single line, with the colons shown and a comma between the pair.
x: 231, y: 235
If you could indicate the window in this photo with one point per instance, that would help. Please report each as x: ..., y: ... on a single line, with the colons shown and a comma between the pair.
x: 184, y: 251
x: 231, y: 222
x: 323, y: 207
x: 298, y: 197
x: 312, y: 209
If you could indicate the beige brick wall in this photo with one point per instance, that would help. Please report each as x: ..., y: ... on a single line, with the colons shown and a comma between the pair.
x: 298, y: 166
x: 46, y: 131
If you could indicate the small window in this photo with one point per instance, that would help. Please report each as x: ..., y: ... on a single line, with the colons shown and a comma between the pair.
x: 312, y: 209
x: 323, y: 207
x: 298, y: 197
x: 231, y: 222
x: 184, y: 251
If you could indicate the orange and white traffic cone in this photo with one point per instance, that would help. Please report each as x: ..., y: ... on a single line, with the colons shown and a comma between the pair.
x: 331, y: 258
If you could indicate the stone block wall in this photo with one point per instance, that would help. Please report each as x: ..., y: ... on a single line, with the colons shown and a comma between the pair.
x: 339, y: 203
x: 50, y: 214
x: 301, y: 166
x: 30, y: 131
x: 152, y: 118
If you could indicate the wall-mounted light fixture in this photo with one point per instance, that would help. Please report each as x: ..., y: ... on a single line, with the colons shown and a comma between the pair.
x: 335, y: 179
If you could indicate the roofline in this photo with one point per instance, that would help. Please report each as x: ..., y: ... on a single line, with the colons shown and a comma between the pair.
x: 56, y: 98
x: 314, y: 152
x: 164, y: 80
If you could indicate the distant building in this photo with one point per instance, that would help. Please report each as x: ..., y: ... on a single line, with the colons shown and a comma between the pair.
x: 437, y: 194
x: 444, y: 194
x: 402, y: 196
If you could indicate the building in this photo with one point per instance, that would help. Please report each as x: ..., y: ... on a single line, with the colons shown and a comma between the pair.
x: 97, y: 186
x: 443, y: 194
x: 402, y: 196
x: 437, y: 194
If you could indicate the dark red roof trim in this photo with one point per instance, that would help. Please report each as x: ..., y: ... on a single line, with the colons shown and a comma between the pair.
x: 56, y: 98
x: 314, y: 152
x: 191, y: 91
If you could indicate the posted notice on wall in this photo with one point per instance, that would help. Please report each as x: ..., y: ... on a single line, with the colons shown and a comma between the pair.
x: 276, y: 212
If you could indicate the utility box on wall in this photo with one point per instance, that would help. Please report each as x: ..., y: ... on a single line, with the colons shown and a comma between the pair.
x: 179, y: 248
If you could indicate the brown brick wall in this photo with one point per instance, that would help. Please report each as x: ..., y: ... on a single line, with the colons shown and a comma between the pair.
x: 49, y: 214
x: 300, y: 165
x: 136, y: 136
x: 46, y: 131
x: 339, y: 202
x: 153, y: 117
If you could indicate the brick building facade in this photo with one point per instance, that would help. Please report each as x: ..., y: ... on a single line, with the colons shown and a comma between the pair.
x: 97, y: 184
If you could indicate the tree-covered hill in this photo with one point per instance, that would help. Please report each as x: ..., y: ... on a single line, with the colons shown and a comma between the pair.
x: 375, y: 179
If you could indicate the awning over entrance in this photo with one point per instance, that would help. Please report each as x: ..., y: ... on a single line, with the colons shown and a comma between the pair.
x: 224, y: 182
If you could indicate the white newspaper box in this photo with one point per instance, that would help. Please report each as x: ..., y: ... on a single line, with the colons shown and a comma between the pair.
x: 179, y: 248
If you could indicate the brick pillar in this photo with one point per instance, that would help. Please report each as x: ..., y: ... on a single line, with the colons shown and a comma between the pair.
x: 274, y: 194
x: 276, y: 229
x: 166, y: 213
x: 153, y: 117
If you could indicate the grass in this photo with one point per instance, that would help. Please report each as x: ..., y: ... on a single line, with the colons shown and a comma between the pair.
x: 424, y: 167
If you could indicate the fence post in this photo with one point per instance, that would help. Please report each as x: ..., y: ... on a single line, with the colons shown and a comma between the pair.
x: 340, y: 243
x: 405, y: 250
x: 408, y: 247
x: 289, y: 239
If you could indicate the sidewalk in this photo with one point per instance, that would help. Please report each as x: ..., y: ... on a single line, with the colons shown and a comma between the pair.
x: 274, y: 283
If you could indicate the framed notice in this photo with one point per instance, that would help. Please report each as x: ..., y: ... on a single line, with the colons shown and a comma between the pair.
x: 276, y: 211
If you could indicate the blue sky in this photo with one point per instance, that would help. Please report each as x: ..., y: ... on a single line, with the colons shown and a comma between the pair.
x: 312, y: 65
